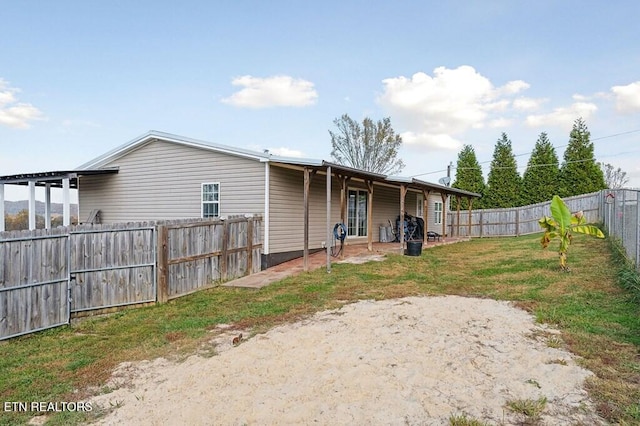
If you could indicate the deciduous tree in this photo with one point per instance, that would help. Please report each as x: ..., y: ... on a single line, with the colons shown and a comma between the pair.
x: 372, y: 146
x: 614, y: 178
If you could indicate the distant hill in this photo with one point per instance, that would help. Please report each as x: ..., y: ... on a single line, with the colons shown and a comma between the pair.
x: 14, y: 207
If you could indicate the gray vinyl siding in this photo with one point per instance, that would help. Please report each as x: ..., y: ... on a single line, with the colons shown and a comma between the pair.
x: 163, y: 180
x: 286, y: 217
x: 286, y: 209
x: 430, y: 222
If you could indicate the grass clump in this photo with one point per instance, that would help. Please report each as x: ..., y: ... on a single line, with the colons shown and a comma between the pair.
x: 463, y: 420
x: 529, y: 409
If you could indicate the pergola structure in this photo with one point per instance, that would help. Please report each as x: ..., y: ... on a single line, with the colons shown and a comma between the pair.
x: 66, y: 180
x: 343, y: 174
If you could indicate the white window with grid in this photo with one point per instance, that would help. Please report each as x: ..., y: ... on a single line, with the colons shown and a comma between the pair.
x: 357, y: 213
x: 210, y: 200
x: 437, y: 213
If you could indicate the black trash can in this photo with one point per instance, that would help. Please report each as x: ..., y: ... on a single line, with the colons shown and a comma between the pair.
x: 414, y: 248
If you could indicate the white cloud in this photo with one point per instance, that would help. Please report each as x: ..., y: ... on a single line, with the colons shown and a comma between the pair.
x: 287, y: 152
x: 435, y: 110
x: 563, y: 116
x: 273, y: 91
x: 527, y: 104
x: 627, y: 97
x: 500, y: 123
x: 13, y: 113
x: 438, y: 141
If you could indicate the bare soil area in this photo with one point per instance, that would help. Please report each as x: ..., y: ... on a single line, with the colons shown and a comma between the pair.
x: 416, y: 360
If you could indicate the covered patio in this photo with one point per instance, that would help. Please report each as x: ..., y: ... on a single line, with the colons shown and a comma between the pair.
x: 344, y: 174
x: 65, y: 180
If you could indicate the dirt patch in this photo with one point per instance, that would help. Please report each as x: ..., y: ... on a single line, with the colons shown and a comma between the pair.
x: 415, y: 360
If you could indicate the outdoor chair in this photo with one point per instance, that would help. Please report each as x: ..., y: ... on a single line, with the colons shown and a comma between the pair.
x: 433, y: 236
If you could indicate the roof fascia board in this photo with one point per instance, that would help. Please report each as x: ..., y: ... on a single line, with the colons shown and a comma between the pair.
x: 150, y: 136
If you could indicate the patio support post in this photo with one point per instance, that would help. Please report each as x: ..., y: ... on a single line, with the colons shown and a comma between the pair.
x: 47, y: 205
x: 343, y: 204
x: 470, y: 205
x: 444, y: 215
x: 305, y: 251
x: 425, y: 210
x: 370, y: 216
x: 327, y: 244
x: 458, y: 199
x: 32, y: 205
x: 403, y: 193
x: 2, y: 228
x: 66, y: 205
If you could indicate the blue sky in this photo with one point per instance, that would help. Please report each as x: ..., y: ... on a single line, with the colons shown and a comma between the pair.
x: 78, y: 78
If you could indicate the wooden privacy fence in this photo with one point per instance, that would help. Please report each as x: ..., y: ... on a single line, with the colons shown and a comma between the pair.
x: 517, y: 220
x: 48, y: 276
x: 197, y: 255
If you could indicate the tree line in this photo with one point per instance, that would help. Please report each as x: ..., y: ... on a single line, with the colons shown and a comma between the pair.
x: 544, y: 176
x: 374, y: 146
x: 20, y: 221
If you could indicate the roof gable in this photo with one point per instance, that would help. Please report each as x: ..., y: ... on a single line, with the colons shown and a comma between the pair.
x: 154, y: 135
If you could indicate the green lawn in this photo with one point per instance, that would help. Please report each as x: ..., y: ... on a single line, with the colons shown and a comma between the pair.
x: 599, y: 319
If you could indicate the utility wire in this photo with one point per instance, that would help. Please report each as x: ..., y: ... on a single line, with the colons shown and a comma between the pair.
x: 540, y: 165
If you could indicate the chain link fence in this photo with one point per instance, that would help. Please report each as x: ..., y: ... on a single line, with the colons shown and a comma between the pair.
x: 621, y: 219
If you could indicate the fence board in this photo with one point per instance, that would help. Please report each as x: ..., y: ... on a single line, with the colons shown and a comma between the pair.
x: 33, y: 283
x: 105, y: 266
x: 518, y: 220
x: 201, y: 254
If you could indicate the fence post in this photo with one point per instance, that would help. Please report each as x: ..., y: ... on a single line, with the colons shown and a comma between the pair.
x: 225, y: 246
x: 249, y: 270
x: 163, y: 264
x: 481, y: 221
x: 638, y: 230
x: 517, y: 221
x: 623, y: 236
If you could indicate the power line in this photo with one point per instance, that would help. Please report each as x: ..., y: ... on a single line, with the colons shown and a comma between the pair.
x: 542, y: 165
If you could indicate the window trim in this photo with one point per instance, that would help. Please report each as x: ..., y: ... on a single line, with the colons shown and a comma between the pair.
x: 358, y: 191
x: 438, y: 210
x: 203, y: 202
x: 420, y: 205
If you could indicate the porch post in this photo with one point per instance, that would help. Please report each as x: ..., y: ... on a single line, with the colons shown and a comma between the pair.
x: 458, y: 218
x: 305, y: 250
x: 327, y: 243
x: 47, y: 205
x: 444, y: 215
x: 66, y: 207
x: 403, y: 193
x: 425, y: 210
x: 343, y: 204
x: 370, y: 216
x: 470, y: 205
x: 32, y: 205
x: 2, y: 228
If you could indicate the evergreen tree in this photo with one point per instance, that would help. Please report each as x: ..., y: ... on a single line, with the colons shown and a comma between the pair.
x: 540, y: 181
x: 580, y: 174
x: 504, y: 185
x: 468, y: 176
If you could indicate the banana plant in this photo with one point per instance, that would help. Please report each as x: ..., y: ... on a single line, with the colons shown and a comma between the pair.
x: 561, y: 224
